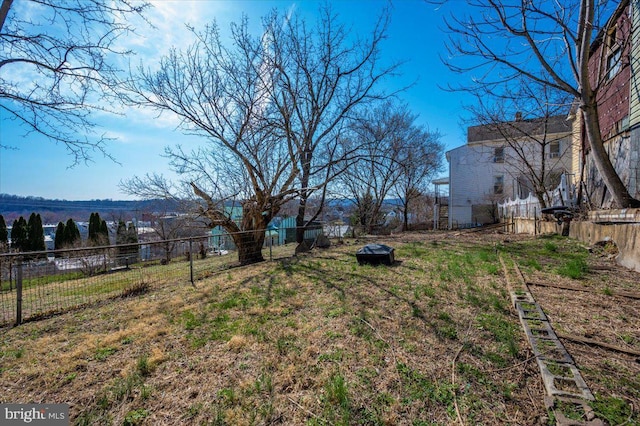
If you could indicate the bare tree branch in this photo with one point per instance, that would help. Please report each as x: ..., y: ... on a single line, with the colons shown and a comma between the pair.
x: 323, y: 76
x: 223, y: 93
x: 550, y: 44
x: 58, y: 68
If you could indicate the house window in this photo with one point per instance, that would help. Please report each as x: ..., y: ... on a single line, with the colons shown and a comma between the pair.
x: 554, y: 149
x: 614, y: 54
x: 613, y: 63
x: 498, y: 184
x: 498, y: 155
x: 622, y: 125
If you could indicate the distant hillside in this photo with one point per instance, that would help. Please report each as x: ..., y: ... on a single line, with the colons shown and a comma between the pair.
x: 54, y: 211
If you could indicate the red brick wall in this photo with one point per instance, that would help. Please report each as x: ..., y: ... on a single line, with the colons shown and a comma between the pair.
x: 613, y: 95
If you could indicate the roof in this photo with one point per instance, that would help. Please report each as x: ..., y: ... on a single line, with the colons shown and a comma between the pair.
x: 441, y: 181
x: 599, y: 38
x: 520, y: 128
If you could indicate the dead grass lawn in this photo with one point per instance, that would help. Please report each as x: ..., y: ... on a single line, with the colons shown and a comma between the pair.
x: 321, y: 340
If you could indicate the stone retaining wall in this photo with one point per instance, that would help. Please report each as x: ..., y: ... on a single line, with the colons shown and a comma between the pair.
x: 620, y: 226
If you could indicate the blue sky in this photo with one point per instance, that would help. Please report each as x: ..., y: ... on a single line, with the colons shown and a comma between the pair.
x: 38, y: 167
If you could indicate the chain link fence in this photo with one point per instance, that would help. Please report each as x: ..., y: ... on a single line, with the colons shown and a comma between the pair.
x: 39, y: 284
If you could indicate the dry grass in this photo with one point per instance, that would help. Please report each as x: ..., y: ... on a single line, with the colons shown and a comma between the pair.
x: 321, y: 340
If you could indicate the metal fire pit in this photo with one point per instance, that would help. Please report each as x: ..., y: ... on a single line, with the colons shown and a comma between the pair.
x: 375, y: 254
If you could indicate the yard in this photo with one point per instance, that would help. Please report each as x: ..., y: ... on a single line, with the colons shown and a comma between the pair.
x: 321, y: 340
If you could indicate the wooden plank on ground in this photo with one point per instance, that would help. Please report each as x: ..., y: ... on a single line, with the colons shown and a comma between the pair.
x: 591, y: 342
x: 626, y: 294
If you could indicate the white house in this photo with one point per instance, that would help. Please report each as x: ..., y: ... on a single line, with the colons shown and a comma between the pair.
x: 501, y: 161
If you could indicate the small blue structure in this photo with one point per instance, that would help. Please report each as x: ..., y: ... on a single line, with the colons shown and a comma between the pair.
x: 271, y: 235
x: 287, y: 231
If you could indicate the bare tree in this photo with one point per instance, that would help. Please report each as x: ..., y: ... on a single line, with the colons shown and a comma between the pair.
x: 57, y: 65
x: 420, y: 158
x: 531, y: 122
x: 224, y: 95
x: 546, y: 43
x: 324, y: 73
x: 382, y: 138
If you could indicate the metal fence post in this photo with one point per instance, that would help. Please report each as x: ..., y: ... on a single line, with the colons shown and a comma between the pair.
x: 19, y: 292
x: 191, y: 263
x: 10, y: 274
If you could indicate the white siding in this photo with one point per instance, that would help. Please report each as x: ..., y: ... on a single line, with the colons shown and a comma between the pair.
x: 471, y: 180
x: 459, y: 215
x: 472, y: 173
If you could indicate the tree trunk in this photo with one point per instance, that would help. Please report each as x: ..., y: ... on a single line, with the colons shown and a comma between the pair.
x: 540, y: 193
x: 304, y: 196
x: 4, y: 11
x: 614, y: 184
x: 300, y: 219
x: 405, y: 215
x: 249, y: 246
x: 581, y: 180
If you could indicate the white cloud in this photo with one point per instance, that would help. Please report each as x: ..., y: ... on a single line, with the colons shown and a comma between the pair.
x: 151, y: 117
x: 119, y: 137
x: 169, y: 20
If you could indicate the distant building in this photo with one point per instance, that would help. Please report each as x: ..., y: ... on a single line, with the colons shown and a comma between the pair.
x: 220, y: 239
x: 489, y: 167
x: 287, y: 230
